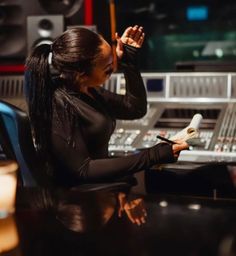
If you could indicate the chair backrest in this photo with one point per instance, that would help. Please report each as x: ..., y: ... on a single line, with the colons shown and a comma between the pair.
x: 16, y: 135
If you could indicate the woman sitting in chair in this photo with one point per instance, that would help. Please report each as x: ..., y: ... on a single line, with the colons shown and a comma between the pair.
x: 73, y: 116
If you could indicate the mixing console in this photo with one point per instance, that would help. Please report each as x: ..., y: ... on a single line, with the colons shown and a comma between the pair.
x: 173, y: 99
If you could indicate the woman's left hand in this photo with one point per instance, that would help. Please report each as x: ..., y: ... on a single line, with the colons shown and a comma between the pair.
x: 133, y: 36
x: 178, y: 147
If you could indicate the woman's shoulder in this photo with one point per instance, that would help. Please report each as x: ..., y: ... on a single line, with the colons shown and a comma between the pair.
x: 72, y: 101
x: 62, y: 95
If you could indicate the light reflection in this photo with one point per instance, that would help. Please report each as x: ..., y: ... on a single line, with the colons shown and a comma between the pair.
x: 163, y: 203
x: 85, y: 212
x: 195, y: 207
x: 9, y: 238
x: 226, y: 246
x: 134, y: 209
x: 219, y: 52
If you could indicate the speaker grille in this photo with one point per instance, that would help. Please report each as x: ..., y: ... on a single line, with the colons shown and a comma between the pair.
x: 12, y: 30
x: 66, y: 7
x: 13, y: 26
x: 11, y: 86
x: 43, y: 29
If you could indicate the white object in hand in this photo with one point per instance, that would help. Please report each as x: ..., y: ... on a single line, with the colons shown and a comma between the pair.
x: 191, y: 131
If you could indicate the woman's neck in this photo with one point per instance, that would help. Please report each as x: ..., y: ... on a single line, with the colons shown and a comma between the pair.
x: 86, y: 90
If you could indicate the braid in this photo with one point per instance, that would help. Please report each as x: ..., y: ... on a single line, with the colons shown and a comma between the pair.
x: 40, y: 94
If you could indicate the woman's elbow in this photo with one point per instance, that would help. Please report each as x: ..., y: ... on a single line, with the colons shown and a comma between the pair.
x: 137, y: 109
x: 140, y: 112
x: 143, y: 110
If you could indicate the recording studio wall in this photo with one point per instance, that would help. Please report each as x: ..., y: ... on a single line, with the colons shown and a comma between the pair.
x: 13, y: 23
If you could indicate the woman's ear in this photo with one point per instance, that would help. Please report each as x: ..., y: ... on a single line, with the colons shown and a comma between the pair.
x: 80, y: 77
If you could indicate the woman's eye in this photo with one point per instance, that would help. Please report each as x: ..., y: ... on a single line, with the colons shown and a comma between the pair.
x: 109, y: 71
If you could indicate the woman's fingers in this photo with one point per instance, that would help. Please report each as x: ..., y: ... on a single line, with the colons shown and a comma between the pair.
x: 140, y: 40
x: 178, y: 147
x: 133, y: 36
x: 137, y: 33
x: 133, y: 31
x: 127, y: 32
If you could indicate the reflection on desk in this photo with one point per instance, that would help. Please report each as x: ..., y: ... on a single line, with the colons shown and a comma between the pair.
x: 87, y: 223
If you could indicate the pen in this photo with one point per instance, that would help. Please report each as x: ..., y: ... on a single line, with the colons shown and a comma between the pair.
x: 166, y: 140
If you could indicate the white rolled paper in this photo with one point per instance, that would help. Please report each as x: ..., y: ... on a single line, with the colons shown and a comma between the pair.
x: 191, y: 131
x: 196, y: 121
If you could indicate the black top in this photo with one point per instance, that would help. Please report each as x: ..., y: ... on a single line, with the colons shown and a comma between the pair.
x: 82, y: 126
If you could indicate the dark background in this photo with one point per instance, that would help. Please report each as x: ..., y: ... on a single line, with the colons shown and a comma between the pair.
x: 172, y: 38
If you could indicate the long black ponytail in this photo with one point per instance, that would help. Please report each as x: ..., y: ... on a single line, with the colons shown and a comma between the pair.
x: 40, y: 90
x: 72, y: 53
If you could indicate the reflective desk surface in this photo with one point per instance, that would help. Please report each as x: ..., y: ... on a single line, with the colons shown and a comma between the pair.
x: 108, y: 222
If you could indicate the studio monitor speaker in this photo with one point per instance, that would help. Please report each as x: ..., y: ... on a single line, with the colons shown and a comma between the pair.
x: 43, y: 29
x: 12, y: 30
x: 13, y: 22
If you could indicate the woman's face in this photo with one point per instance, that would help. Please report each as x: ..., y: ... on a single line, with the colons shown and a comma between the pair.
x: 103, y: 67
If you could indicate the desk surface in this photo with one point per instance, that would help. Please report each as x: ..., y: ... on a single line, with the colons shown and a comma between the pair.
x: 75, y: 223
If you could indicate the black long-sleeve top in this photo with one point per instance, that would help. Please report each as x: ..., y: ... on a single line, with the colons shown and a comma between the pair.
x: 82, y: 127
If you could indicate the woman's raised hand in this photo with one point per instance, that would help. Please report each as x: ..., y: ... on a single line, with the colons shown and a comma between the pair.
x: 133, y: 36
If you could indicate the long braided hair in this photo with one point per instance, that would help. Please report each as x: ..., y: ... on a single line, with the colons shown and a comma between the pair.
x: 72, y: 53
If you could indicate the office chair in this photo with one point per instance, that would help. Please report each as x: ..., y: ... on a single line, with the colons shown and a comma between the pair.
x: 16, y: 140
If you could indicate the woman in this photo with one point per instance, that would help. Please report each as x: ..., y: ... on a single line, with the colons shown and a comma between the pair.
x: 73, y: 117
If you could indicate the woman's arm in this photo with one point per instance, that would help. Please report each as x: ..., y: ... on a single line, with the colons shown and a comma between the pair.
x: 133, y: 104
x: 79, y: 165
x: 74, y: 154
